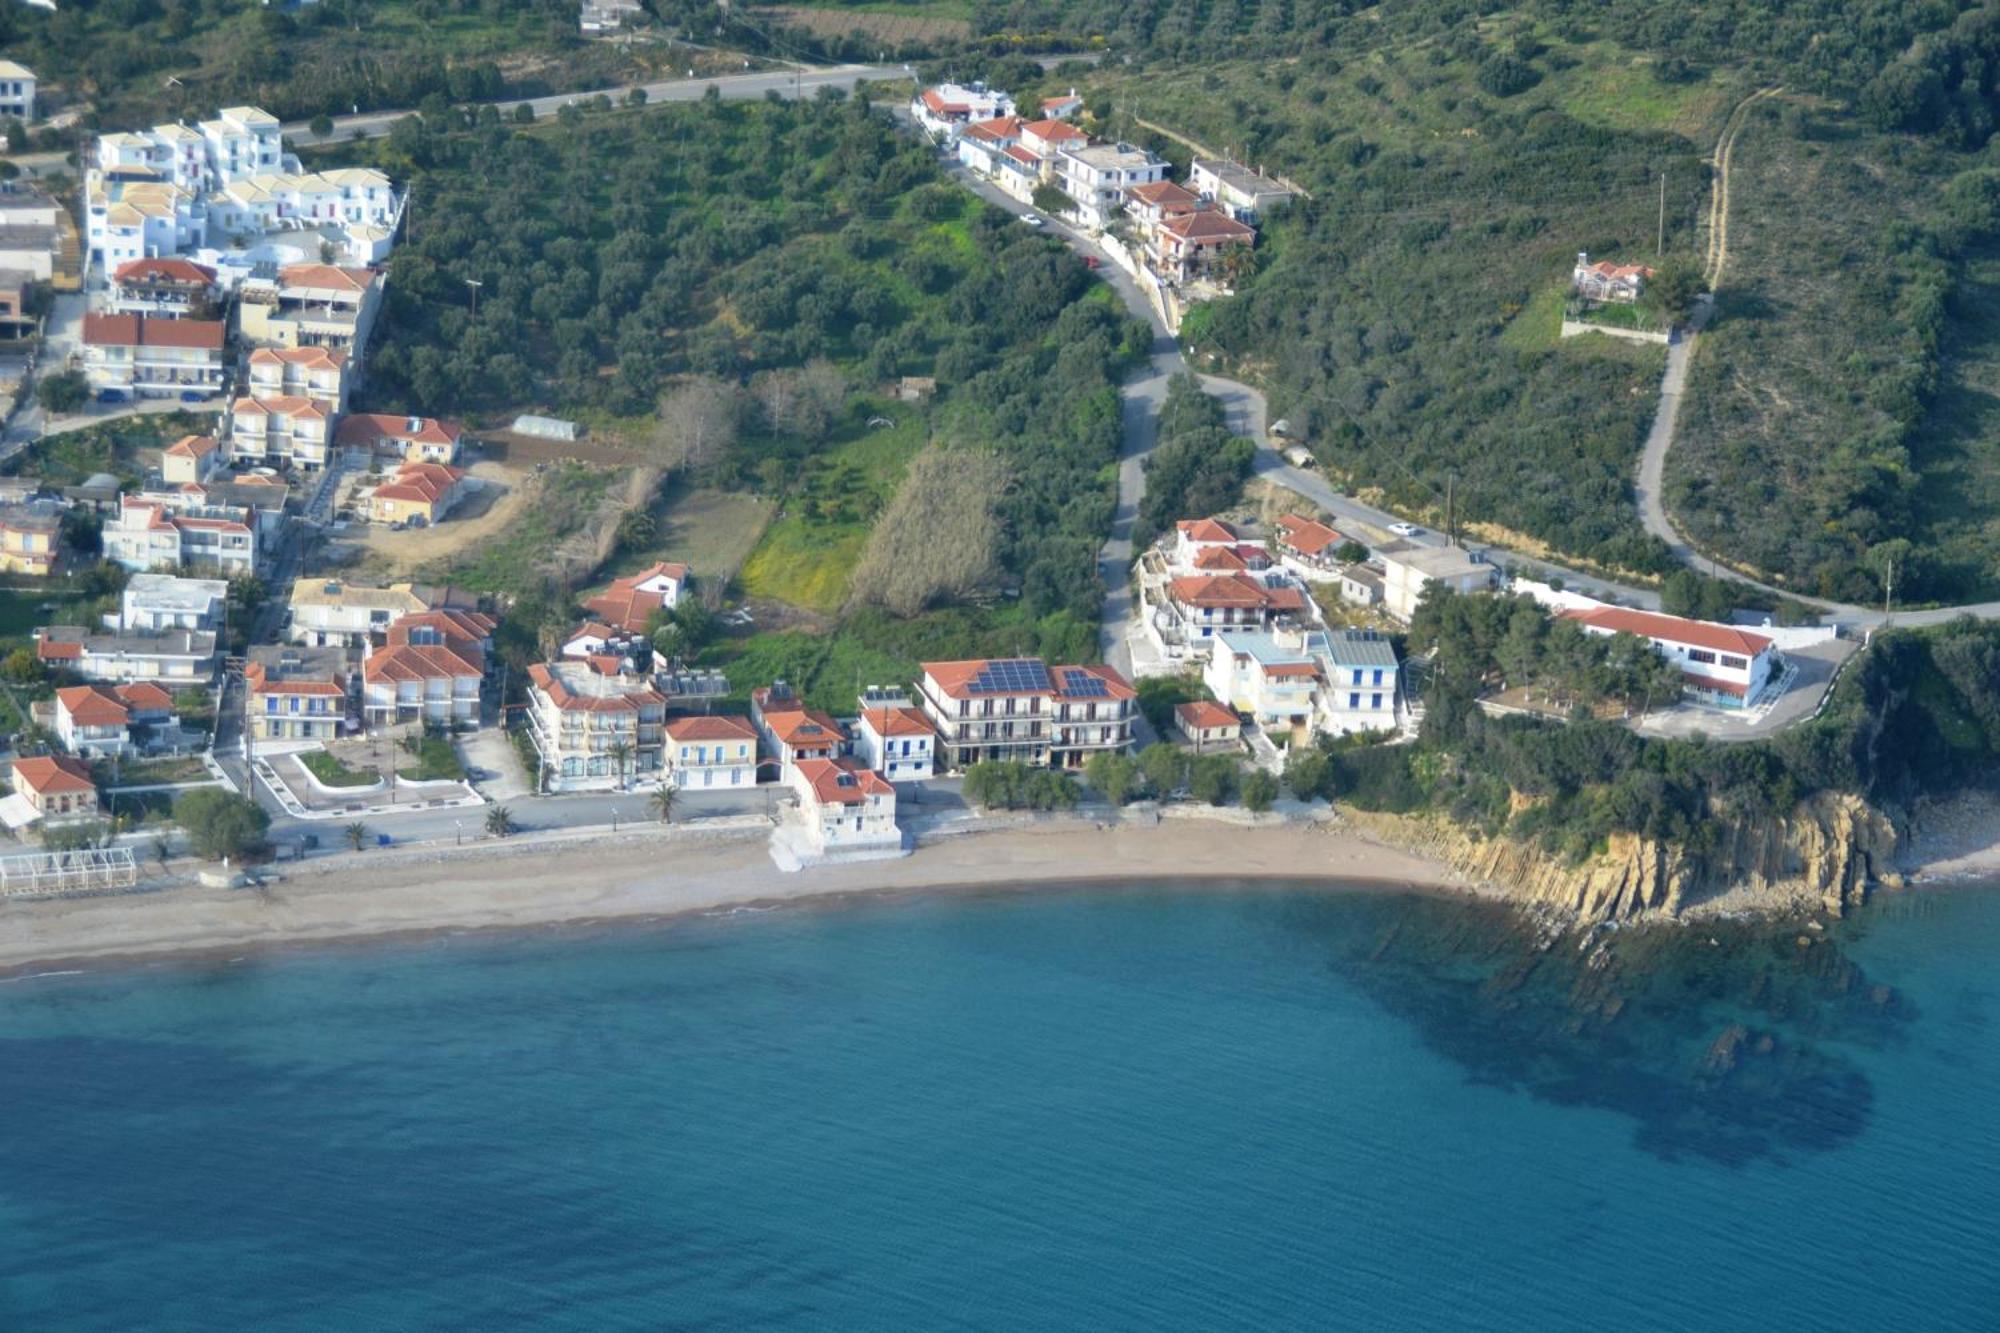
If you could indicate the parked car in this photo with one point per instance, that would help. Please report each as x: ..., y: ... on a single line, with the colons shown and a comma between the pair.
x: 1092, y: 261
x: 1405, y: 529
x: 1031, y: 219
x: 110, y: 395
x: 193, y: 396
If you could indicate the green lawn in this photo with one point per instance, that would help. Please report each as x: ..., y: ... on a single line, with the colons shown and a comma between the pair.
x: 24, y: 609
x: 804, y: 562
x: 333, y: 773
x: 437, y: 759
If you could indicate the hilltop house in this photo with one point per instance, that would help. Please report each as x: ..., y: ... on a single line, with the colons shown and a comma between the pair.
x: 629, y: 603
x: 1190, y: 245
x: 1062, y: 106
x: 711, y: 751
x: 1150, y: 205
x: 1308, y: 545
x: 1721, y: 666
x: 947, y: 108
x: 1243, y: 194
x: 1606, y: 281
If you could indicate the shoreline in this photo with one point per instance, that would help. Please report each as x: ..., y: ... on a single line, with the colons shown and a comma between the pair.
x: 652, y: 878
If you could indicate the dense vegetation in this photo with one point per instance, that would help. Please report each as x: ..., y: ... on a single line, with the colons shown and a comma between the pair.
x: 1196, y: 469
x: 1917, y: 714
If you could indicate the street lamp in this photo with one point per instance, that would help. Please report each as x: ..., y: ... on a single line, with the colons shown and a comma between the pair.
x: 458, y: 831
x: 475, y: 284
x: 614, y: 819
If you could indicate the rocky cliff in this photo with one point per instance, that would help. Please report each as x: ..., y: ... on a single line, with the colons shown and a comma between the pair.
x: 1821, y: 857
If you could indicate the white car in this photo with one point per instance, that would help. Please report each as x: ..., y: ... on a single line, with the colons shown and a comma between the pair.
x: 1031, y: 219
x: 1405, y: 529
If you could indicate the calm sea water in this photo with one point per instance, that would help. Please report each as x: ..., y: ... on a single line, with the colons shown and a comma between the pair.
x: 1158, y: 1108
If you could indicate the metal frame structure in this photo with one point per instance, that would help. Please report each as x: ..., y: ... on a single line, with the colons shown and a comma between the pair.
x: 45, y: 874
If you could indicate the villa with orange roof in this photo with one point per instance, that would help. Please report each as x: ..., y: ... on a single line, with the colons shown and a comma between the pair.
x: 791, y: 731
x: 285, y: 430
x: 716, y: 750
x: 1201, y: 604
x: 1307, y: 545
x: 165, y: 288
x: 846, y: 806
x: 55, y: 786
x: 419, y: 494
x: 1191, y: 245
x: 981, y: 143
x: 1606, y: 281
x: 412, y: 439
x: 947, y: 108
x: 629, y: 603
x: 318, y: 373
x: 1150, y: 205
x: 191, y: 460
x: 1207, y: 726
x: 1020, y: 709
x: 98, y: 719
x: 1062, y: 106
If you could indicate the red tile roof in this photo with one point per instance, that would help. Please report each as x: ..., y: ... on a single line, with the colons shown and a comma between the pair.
x: 803, y: 728
x: 259, y: 679
x: 1053, y: 131
x: 138, y: 331
x: 1074, y: 683
x: 1207, y: 225
x: 1307, y: 536
x: 1205, y: 715
x: 327, y: 277
x: 420, y: 483
x: 1219, y: 559
x: 1604, y: 268
x: 625, y: 606
x: 1165, y: 194
x: 364, y: 428
x: 1220, y: 590
x: 192, y: 446
x: 51, y: 650
x: 842, y: 781
x: 1207, y: 530
x: 898, y: 722
x: 410, y: 661
x: 717, y: 727
x: 285, y: 405
x: 51, y: 773
x: 310, y: 357
x: 164, y: 270
x: 1672, y: 629
x: 92, y: 706
x: 568, y: 700
x: 144, y: 696
x: 999, y: 130
x: 464, y: 632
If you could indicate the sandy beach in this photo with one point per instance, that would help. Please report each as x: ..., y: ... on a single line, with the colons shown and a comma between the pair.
x: 650, y: 875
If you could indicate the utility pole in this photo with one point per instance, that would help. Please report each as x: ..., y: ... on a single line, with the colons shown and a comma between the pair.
x: 1660, y: 242
x: 1450, y: 512
x: 1888, y: 584
x: 475, y: 284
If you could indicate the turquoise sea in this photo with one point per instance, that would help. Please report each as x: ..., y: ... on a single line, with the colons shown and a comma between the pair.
x: 1165, y: 1107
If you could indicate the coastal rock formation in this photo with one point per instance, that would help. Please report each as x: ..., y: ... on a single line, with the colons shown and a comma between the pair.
x: 1821, y: 857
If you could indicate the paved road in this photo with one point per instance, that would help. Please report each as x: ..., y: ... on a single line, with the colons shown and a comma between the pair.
x: 62, y: 334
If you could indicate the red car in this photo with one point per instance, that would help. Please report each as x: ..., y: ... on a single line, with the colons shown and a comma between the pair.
x: 1090, y: 261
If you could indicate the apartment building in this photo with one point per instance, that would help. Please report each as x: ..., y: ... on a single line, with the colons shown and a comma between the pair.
x: 153, y: 358
x: 1196, y: 606
x: 30, y: 537
x: 711, y: 751
x: 153, y: 532
x: 287, y: 431
x: 1407, y: 569
x: 1273, y: 679
x: 792, y: 732
x: 1150, y: 205
x: 1361, y: 673
x: 165, y: 288
x: 421, y: 682
x: 315, y: 373
x: 1019, y: 709
x: 1096, y: 177
x: 356, y: 203
x: 594, y: 730
x: 130, y: 216
x: 173, y: 657
x: 296, y: 694
x: 412, y: 439
x: 312, y: 305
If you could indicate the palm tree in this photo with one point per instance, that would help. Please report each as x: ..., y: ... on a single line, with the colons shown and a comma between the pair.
x: 620, y: 753
x: 499, y: 821
x: 663, y: 802
x: 356, y: 835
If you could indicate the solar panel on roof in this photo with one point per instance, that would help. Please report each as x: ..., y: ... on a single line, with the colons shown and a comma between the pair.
x: 1083, y: 685
x: 1011, y: 676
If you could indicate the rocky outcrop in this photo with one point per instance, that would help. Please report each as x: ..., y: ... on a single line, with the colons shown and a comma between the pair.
x: 1822, y: 857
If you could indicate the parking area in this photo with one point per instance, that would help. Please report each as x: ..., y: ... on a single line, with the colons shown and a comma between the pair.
x: 1800, y: 688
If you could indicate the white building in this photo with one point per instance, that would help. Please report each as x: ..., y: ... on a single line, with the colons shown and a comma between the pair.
x: 331, y: 613
x: 895, y: 739
x: 17, y: 91
x: 1270, y: 678
x: 1606, y: 281
x: 152, y: 603
x: 154, y: 532
x: 1240, y: 192
x: 181, y: 656
x: 846, y: 806
x: 1407, y: 569
x: 312, y: 305
x: 704, y: 752
x: 1720, y: 665
x: 1019, y: 709
x: 1360, y: 693
x: 949, y: 107
x: 153, y: 358
x: 318, y: 373
x: 594, y: 730
x: 290, y: 431
x: 1096, y: 177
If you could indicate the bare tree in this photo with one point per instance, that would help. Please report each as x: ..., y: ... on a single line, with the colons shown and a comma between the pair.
x: 802, y: 402
x: 698, y: 420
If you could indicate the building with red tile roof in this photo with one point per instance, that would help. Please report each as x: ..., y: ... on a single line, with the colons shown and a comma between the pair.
x: 153, y: 357
x: 1720, y: 665
x: 1308, y: 542
x: 1603, y: 280
x: 164, y: 288
x: 191, y: 459
x: 414, y: 439
x: 594, y: 729
x: 629, y: 603
x: 56, y: 786
x: 791, y: 731
x: 896, y: 740
x: 705, y: 751
x: 1020, y: 709
x: 846, y: 806
x: 431, y: 683
x: 418, y: 493
x: 1189, y: 245
x: 1207, y: 725
x: 318, y: 373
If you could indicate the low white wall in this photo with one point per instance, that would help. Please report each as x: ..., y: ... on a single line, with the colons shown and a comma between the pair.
x: 1572, y: 328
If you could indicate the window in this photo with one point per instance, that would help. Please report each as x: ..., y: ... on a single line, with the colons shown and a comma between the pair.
x: 1375, y: 700
x: 1735, y: 663
x: 1354, y: 700
x: 1357, y: 675
x: 1700, y: 655
x: 1378, y: 675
